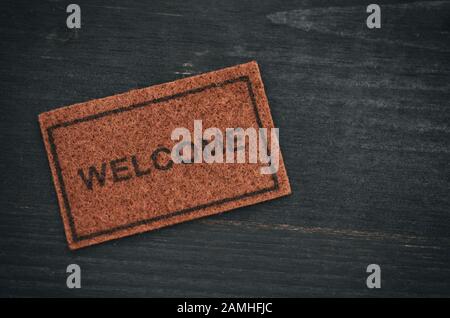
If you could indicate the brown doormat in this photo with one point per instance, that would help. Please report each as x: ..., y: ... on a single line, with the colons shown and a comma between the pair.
x: 112, y: 165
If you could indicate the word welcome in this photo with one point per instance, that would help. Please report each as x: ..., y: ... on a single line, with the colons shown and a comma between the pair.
x: 125, y: 168
x: 206, y: 146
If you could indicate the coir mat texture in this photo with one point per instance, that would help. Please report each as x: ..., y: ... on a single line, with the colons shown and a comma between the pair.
x: 111, y: 164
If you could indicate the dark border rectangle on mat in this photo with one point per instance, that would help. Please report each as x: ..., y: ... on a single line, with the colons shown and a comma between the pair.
x: 78, y: 238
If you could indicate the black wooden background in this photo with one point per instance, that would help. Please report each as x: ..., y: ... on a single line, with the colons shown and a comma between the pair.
x: 365, y: 132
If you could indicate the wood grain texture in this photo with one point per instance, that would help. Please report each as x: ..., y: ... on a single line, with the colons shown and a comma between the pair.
x: 364, y: 129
